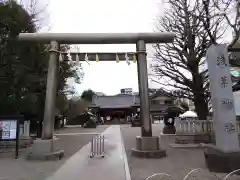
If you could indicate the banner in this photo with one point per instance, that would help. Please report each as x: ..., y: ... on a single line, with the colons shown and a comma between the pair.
x: 60, y: 57
x: 117, y: 58
x: 97, y: 58
x: 134, y: 58
x: 77, y: 58
x: 127, y: 59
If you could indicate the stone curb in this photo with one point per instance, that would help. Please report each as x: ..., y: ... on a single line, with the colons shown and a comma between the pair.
x: 149, y: 154
x: 175, y: 145
x: 49, y: 156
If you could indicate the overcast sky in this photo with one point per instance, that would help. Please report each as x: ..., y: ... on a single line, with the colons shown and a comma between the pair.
x: 103, y: 16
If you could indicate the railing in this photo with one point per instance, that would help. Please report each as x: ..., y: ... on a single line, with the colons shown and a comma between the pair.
x: 97, y: 146
x: 197, y: 126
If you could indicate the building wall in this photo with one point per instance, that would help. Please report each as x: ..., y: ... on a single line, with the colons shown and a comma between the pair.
x: 162, y: 100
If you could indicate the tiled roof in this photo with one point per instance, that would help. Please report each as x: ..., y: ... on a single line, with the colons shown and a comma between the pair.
x: 118, y: 101
x: 123, y: 101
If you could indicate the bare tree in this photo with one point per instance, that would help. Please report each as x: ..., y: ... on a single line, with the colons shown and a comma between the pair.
x: 228, y: 10
x: 180, y: 65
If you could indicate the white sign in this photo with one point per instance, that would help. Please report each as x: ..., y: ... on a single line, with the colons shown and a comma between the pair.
x: 224, y: 117
x: 127, y: 91
x: 9, y: 129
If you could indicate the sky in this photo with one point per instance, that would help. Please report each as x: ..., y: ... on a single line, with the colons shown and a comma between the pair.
x: 105, y: 16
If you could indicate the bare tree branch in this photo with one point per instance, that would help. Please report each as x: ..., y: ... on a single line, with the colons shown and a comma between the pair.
x: 224, y: 10
x: 197, y: 25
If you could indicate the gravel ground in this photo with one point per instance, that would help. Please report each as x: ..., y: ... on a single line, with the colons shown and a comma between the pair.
x: 22, y: 169
x: 178, y: 163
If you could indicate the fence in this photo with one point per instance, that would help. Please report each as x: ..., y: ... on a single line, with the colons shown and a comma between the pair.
x: 97, y: 146
x: 197, y: 126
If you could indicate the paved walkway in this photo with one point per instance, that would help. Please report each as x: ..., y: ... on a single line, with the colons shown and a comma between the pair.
x: 113, y: 167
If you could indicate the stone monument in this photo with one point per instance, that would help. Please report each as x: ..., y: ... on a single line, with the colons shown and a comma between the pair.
x: 225, y: 155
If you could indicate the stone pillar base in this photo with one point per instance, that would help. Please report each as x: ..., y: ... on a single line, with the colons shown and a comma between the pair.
x: 218, y: 161
x: 193, y: 138
x: 45, y: 150
x: 24, y: 142
x: 148, y: 147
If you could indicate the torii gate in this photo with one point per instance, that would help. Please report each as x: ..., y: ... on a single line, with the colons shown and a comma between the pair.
x: 146, y: 142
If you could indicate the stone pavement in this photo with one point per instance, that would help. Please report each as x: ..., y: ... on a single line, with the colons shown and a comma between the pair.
x: 71, y: 140
x: 113, y: 166
x: 178, y: 163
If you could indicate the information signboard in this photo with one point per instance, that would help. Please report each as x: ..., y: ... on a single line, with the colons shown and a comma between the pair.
x: 9, y: 130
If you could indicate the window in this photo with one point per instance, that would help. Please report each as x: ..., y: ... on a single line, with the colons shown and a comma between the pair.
x: 155, y: 102
x: 168, y: 102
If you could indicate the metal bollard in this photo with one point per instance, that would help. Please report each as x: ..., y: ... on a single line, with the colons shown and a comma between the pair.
x: 97, y: 146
